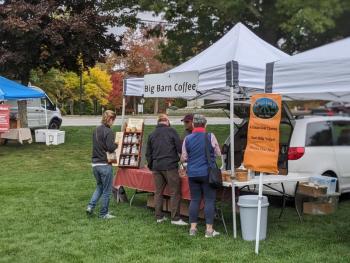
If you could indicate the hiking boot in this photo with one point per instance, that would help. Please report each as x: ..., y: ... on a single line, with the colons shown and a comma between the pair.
x: 160, y: 220
x: 211, y: 234
x: 179, y: 222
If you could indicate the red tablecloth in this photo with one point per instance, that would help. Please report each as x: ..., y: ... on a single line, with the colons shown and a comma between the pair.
x: 142, y: 179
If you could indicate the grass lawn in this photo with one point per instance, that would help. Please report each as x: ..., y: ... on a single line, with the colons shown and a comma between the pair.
x: 44, y: 192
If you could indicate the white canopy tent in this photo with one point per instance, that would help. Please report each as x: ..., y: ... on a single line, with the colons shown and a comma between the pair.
x: 240, y: 45
x: 321, y: 73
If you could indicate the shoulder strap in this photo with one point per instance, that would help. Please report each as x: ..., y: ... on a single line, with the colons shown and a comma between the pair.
x: 207, y: 152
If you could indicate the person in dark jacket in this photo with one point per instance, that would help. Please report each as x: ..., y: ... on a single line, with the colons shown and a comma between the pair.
x: 103, y: 141
x: 163, y: 150
x: 194, y: 152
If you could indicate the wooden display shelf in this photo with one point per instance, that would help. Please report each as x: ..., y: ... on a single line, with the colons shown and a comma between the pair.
x: 138, y: 156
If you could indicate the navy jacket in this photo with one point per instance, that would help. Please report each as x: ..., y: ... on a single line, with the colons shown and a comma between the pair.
x: 197, y: 163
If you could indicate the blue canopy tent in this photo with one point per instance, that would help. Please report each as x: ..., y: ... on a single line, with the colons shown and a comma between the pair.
x: 11, y: 90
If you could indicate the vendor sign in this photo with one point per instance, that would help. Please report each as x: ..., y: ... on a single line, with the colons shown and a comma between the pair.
x: 171, y: 85
x: 4, y: 118
x: 262, y: 149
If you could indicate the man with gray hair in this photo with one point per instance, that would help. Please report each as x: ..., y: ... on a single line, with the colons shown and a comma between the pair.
x: 163, y: 150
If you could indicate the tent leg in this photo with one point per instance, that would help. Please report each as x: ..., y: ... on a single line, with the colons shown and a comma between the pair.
x: 257, y: 238
x: 45, y: 113
x: 232, y: 153
x: 123, y: 114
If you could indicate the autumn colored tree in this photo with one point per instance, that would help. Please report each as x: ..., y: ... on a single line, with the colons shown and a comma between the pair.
x: 140, y: 58
x: 98, y: 85
x: 64, y: 87
x: 116, y: 95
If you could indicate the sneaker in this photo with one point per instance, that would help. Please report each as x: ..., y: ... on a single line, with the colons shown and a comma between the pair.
x: 193, y: 232
x: 211, y: 234
x: 108, y: 216
x: 179, y: 222
x: 89, y: 211
x: 162, y: 219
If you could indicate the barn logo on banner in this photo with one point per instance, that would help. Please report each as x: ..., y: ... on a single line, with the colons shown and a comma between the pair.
x: 262, y: 149
x: 4, y: 118
x: 171, y: 85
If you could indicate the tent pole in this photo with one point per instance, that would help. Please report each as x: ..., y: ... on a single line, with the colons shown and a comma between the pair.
x: 45, y: 113
x: 232, y: 153
x: 123, y: 114
x: 123, y: 107
x: 257, y: 237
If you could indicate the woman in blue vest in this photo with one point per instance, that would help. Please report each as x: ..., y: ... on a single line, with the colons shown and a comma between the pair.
x: 193, y: 151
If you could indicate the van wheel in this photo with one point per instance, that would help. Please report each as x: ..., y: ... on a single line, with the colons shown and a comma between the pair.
x: 330, y: 174
x: 3, y: 141
x: 54, y: 125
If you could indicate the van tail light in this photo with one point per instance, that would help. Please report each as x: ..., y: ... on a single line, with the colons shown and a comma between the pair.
x: 295, y: 153
x: 330, y: 113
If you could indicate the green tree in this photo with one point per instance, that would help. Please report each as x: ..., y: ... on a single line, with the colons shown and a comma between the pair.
x: 293, y: 25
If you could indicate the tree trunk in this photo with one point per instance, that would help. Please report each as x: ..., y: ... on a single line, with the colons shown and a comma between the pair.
x: 22, y: 113
x: 22, y: 104
x: 81, y: 94
x: 71, y: 107
x: 135, y: 105
x: 156, y: 106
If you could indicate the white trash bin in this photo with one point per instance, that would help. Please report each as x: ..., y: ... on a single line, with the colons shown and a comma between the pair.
x: 248, y: 209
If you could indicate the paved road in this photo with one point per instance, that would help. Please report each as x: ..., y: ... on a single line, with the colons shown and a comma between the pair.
x: 149, y: 120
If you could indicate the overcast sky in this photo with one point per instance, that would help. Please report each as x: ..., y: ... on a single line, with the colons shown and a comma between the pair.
x: 145, y: 16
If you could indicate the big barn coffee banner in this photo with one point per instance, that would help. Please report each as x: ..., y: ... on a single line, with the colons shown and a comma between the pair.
x: 171, y: 85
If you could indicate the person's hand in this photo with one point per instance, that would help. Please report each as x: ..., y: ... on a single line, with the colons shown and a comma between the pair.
x: 182, y: 172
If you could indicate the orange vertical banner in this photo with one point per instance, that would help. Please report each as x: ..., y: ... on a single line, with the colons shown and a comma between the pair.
x: 261, y: 153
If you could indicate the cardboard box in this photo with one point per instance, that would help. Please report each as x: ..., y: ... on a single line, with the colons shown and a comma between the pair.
x: 312, y: 190
x: 317, y: 208
x: 14, y: 124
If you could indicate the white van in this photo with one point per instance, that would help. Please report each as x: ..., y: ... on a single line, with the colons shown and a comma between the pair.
x: 36, y: 112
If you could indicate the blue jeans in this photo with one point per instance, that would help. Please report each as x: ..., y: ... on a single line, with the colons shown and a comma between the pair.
x: 199, y: 186
x: 104, y: 176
